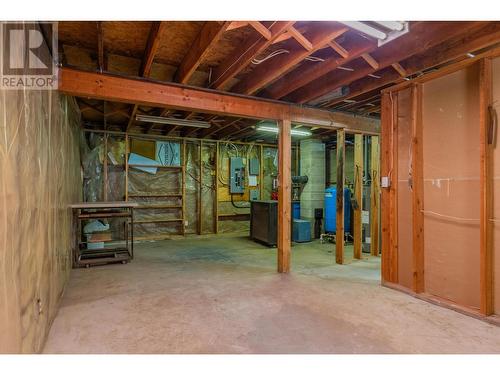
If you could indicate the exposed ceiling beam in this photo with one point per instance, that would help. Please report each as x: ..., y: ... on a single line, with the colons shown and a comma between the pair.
x: 100, y: 47
x: 339, y: 49
x: 242, y: 56
x: 301, y: 39
x: 261, y: 29
x: 303, y: 75
x: 236, y: 25
x: 151, y: 48
x: 269, y: 71
x: 147, y: 60
x: 215, y: 129
x: 421, y: 37
x: 167, y: 95
x: 399, y: 68
x: 370, y: 60
x: 475, y: 39
x: 208, y: 36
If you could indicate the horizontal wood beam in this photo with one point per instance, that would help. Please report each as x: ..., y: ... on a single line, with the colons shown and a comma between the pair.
x: 168, y: 95
x: 208, y: 36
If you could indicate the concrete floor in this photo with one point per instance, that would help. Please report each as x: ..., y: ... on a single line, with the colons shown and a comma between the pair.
x: 221, y: 294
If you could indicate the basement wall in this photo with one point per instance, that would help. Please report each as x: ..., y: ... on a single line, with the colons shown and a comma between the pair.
x: 39, y: 178
x: 448, y: 132
x: 450, y: 119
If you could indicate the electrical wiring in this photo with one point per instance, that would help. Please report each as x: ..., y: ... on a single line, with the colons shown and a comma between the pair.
x: 236, y: 61
x: 314, y: 58
x: 257, y: 61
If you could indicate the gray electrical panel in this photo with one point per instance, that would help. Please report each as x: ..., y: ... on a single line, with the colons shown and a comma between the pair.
x: 236, y: 176
x: 254, y: 194
x: 253, y: 167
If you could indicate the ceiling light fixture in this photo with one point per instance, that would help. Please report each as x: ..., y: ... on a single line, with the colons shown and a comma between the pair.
x: 272, y: 129
x: 392, y: 25
x: 366, y: 29
x: 173, y: 121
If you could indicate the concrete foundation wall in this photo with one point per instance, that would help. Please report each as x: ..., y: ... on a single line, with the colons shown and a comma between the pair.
x: 312, y: 164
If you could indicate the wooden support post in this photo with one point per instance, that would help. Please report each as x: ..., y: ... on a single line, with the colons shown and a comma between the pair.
x: 200, y: 187
x: 417, y: 188
x: 261, y: 172
x: 358, y: 194
x: 339, y: 237
x: 389, y: 195
x: 183, y: 187
x: 127, y: 146
x: 375, y: 197
x: 216, y: 198
x: 486, y: 188
x: 284, y: 194
x: 105, y: 167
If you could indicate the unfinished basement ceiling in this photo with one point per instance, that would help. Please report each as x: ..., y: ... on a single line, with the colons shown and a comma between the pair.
x: 328, y: 65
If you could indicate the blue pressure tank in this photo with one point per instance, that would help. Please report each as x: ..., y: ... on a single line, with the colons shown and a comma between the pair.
x: 331, y: 210
x: 295, y: 210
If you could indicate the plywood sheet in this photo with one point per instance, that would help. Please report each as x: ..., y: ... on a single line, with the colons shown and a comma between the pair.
x: 404, y: 204
x: 451, y: 187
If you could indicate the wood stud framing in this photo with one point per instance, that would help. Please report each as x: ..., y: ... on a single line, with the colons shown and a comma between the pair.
x: 375, y: 196
x: 339, y: 236
x: 417, y: 188
x: 389, y: 194
x: 486, y: 189
x: 358, y: 194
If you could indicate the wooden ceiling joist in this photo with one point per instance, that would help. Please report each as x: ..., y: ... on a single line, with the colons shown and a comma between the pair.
x: 301, y: 39
x: 167, y: 95
x: 100, y: 47
x: 401, y: 71
x: 240, y: 59
x: 208, y: 36
x: 151, y: 48
x: 408, y: 45
x: 215, y: 129
x: 261, y: 29
x: 370, y: 60
x: 339, y: 49
x: 147, y: 60
x: 269, y: 71
x: 302, y: 76
x: 237, y: 25
x: 478, y: 38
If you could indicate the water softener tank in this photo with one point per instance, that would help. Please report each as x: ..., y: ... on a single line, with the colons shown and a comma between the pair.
x: 331, y: 210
